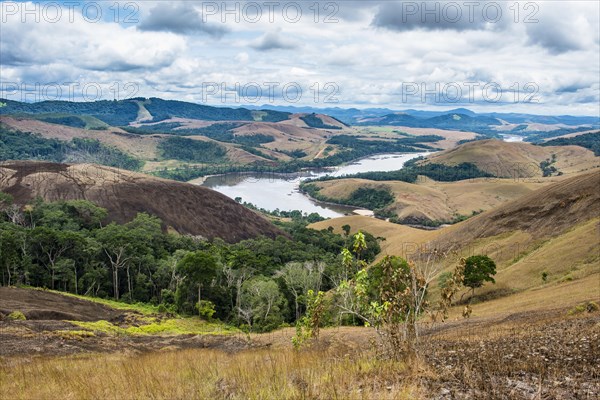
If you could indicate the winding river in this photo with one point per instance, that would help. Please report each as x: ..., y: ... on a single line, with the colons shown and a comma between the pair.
x: 280, y: 191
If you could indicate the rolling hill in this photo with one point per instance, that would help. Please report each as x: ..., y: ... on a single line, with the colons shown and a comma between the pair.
x: 184, y: 208
x: 516, y: 159
x: 428, y: 201
x: 554, y: 229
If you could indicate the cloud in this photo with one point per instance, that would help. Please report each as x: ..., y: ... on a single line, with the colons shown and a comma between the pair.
x: 563, y: 28
x: 181, y: 18
x: 101, y: 46
x: 274, y: 41
x: 440, y: 15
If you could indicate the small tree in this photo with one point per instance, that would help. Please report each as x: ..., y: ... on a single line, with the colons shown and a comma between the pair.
x: 478, y: 269
x: 391, y: 295
x: 308, y: 326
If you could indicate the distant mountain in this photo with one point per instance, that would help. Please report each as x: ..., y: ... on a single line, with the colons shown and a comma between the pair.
x: 354, y: 115
x: 451, y: 121
x: 124, y: 112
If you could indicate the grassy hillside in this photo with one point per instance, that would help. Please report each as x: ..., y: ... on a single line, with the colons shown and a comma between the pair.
x: 428, y: 201
x: 517, y: 159
x: 554, y: 229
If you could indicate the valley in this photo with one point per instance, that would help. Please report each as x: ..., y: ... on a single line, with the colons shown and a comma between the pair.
x: 139, y: 243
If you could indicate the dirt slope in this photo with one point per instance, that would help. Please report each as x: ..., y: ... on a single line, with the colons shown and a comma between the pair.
x: 186, y: 208
x: 43, y: 305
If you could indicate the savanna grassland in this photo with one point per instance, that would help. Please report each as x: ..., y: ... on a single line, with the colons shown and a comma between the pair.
x: 549, y: 353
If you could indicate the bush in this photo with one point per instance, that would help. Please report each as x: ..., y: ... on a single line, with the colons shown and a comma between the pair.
x: 206, y: 309
x: 16, y: 316
x: 592, y: 306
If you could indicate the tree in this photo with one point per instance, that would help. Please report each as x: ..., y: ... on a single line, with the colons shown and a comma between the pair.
x: 478, y: 269
x: 49, y: 245
x: 198, y: 271
x: 117, y: 246
x: 262, y: 303
x: 300, y: 278
x: 346, y: 228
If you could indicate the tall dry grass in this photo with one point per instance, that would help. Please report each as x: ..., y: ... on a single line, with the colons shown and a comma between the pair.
x: 210, y: 374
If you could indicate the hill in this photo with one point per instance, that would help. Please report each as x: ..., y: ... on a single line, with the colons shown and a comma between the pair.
x: 517, y: 159
x: 432, y: 203
x: 554, y: 229
x: 185, y: 208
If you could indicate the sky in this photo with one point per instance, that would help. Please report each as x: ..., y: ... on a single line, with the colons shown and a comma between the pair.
x: 538, y: 57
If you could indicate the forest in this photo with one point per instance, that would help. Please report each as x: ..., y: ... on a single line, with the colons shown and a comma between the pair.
x: 590, y: 141
x: 411, y: 171
x: 189, y: 150
x: 16, y: 145
x: 68, y: 246
x: 365, y: 197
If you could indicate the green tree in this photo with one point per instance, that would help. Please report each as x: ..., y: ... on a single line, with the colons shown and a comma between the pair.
x: 262, y: 303
x: 478, y: 269
x: 300, y: 278
x: 198, y: 272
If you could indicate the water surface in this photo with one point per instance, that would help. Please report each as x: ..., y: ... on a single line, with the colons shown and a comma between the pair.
x: 273, y: 191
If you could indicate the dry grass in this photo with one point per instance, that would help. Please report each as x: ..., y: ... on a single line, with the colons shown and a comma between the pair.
x: 517, y: 159
x: 210, y: 374
x: 439, y: 201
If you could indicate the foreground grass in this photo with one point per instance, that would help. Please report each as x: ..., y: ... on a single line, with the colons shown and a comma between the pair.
x: 210, y: 374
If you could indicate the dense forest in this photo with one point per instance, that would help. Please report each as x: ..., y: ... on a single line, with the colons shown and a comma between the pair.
x: 115, y: 113
x: 590, y: 141
x: 411, y: 171
x: 16, y: 145
x: 199, y: 151
x: 365, y: 197
x: 66, y: 246
x: 165, y: 109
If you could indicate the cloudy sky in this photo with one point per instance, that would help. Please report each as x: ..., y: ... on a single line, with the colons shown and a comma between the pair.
x: 539, y: 57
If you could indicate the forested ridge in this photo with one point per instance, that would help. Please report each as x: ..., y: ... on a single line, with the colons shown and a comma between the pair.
x: 15, y: 145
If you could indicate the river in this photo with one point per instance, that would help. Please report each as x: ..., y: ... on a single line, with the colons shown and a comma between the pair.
x: 280, y: 191
x: 512, y: 138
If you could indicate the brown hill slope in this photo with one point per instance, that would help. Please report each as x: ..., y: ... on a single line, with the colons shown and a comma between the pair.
x: 517, y: 159
x: 186, y: 208
x: 428, y: 200
x: 555, y: 229
x: 545, y: 212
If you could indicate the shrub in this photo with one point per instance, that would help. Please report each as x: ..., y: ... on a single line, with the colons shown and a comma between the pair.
x: 206, y: 309
x: 592, y: 306
x: 16, y: 316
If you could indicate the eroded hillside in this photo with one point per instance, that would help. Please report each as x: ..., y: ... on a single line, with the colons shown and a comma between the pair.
x: 186, y: 208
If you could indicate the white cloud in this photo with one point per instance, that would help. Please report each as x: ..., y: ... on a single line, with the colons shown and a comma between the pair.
x: 170, y: 54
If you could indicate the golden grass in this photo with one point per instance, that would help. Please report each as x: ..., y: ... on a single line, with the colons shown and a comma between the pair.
x: 548, y: 297
x: 210, y: 374
x: 510, y: 159
x: 440, y: 201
